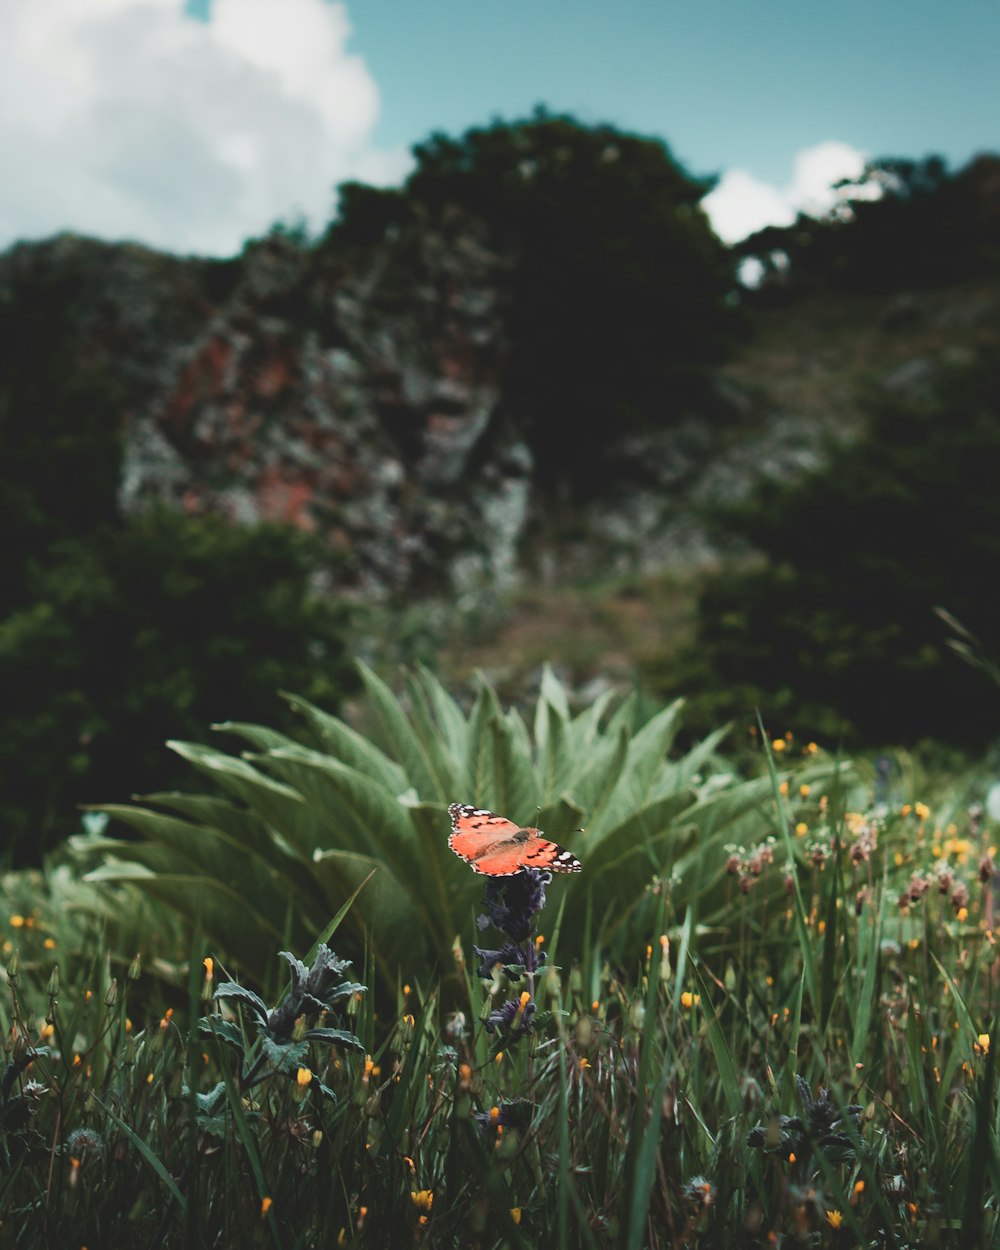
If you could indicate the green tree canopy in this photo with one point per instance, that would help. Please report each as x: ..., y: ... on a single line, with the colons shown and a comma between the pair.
x: 926, y: 226
x: 615, y: 288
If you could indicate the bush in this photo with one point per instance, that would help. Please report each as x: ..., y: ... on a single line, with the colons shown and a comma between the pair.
x: 142, y: 632
x: 836, y: 630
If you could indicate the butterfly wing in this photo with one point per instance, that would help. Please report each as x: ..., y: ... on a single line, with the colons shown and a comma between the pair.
x: 497, y: 847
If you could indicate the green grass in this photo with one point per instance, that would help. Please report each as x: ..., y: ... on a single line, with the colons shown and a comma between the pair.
x: 670, y: 1096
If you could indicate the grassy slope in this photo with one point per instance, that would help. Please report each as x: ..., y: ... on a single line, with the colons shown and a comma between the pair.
x: 804, y: 365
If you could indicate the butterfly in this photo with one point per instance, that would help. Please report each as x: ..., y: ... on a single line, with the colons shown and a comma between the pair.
x: 498, y: 847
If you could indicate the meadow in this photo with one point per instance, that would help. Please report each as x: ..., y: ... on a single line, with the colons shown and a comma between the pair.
x: 282, y: 1013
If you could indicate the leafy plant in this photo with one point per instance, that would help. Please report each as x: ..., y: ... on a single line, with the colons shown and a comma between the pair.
x: 302, y: 824
x: 283, y: 1033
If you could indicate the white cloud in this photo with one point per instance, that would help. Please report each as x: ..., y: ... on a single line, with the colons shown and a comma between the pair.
x: 129, y: 119
x: 741, y: 203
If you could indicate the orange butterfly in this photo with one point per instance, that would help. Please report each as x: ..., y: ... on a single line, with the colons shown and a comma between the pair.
x: 498, y: 847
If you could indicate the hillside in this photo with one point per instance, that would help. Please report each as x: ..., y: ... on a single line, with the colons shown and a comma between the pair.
x: 507, y: 430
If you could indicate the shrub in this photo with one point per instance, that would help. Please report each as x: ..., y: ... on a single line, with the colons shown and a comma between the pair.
x: 836, y: 628
x: 141, y: 632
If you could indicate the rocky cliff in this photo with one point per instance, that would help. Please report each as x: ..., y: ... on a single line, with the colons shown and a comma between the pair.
x: 361, y: 401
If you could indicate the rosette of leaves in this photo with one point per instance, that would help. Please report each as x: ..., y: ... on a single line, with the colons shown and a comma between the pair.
x: 285, y: 1032
x: 295, y: 826
x: 822, y: 1129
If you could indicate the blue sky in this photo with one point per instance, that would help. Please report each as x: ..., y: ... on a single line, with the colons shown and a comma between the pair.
x: 192, y: 124
x: 727, y: 83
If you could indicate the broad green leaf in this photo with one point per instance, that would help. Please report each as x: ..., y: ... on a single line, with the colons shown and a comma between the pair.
x: 593, y: 787
x: 280, y: 806
x: 384, y: 906
x: 450, y: 719
x: 422, y: 760
x: 479, y: 762
x: 360, y: 816
x: 448, y: 752
x: 201, y: 849
x: 515, y: 789
x: 350, y: 747
x: 260, y: 737
x: 554, y: 692
x: 646, y: 755
x: 682, y: 772
x: 244, y: 828
x: 214, y: 907
x: 555, y: 759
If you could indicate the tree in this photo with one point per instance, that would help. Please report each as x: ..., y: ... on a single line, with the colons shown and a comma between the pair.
x: 615, y: 290
x: 903, y: 224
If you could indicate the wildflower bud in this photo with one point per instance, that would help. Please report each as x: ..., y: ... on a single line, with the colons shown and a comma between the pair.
x: 299, y: 1028
x: 960, y: 896
x: 111, y: 997
x: 135, y: 967
x: 789, y: 883
x: 13, y: 967
x: 733, y: 865
x: 986, y: 868
x: 53, y: 987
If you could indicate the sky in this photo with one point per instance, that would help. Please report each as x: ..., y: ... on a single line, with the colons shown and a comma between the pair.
x: 192, y: 125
